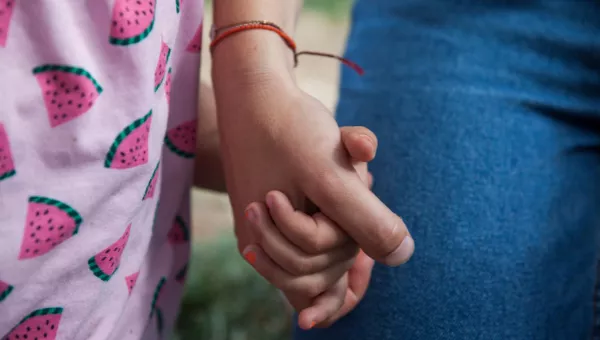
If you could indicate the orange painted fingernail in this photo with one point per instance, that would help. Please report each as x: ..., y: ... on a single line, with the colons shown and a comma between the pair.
x: 250, y: 256
x: 312, y: 324
x: 250, y: 215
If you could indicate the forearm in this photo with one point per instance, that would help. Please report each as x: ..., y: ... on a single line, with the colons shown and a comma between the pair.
x: 247, y: 58
x: 208, y: 167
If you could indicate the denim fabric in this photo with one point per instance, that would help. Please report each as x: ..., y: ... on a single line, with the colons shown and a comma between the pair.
x: 488, y: 117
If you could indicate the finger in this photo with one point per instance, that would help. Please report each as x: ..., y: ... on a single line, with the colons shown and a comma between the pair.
x: 340, y: 195
x: 359, y: 277
x: 287, y: 255
x: 360, y: 142
x: 308, y: 286
x: 314, y: 235
x: 324, y: 306
x: 363, y: 172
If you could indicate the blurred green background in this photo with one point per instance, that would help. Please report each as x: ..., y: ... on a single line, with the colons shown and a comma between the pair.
x: 225, y: 299
x: 333, y: 8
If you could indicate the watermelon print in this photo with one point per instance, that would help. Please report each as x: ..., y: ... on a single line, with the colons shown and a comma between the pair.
x: 130, y: 148
x: 7, y: 165
x: 179, y: 232
x: 155, y: 215
x: 131, y: 280
x: 49, y: 223
x: 159, y: 321
x: 132, y: 21
x: 5, y: 290
x: 151, y: 187
x: 161, y: 67
x: 182, y: 274
x: 178, y: 4
x: 68, y: 91
x: 195, y: 45
x: 157, y: 294
x: 41, y: 324
x: 6, y: 10
x: 182, y: 139
x: 105, y: 263
x: 168, y: 86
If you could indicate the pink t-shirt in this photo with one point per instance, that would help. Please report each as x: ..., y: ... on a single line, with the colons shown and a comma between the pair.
x: 98, y: 104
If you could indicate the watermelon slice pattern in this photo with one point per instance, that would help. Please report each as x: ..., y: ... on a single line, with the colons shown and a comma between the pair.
x: 182, y: 139
x: 161, y: 66
x: 7, y: 165
x: 40, y: 324
x: 6, y: 10
x: 132, y: 21
x: 159, y: 321
x: 151, y: 187
x: 131, y: 280
x: 155, y: 305
x: 168, y: 86
x: 5, y: 290
x: 130, y: 148
x: 195, y: 45
x: 178, y: 4
x: 179, y: 232
x: 182, y: 274
x: 105, y: 263
x: 157, y: 294
x: 68, y: 91
x: 49, y: 223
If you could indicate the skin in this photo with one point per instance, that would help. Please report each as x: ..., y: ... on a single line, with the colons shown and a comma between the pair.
x: 274, y: 137
x: 309, y: 258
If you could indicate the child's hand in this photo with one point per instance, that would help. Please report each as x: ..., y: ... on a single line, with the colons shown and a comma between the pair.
x: 310, y: 258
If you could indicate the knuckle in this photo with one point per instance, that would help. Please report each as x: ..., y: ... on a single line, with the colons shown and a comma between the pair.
x: 316, y: 288
x: 315, y: 244
x: 301, y: 266
x: 302, y: 287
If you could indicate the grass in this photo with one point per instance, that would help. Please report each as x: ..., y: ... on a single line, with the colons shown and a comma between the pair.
x: 334, y: 8
x: 226, y: 300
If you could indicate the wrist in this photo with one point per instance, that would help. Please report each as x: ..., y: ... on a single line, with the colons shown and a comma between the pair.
x: 251, y: 58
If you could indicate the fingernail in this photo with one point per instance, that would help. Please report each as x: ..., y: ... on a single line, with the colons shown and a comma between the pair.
x: 251, y: 215
x: 249, y: 255
x: 312, y: 324
x: 367, y: 138
x: 270, y: 200
x: 403, y: 253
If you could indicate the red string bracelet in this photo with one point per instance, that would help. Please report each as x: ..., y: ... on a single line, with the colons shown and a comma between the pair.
x: 217, y: 35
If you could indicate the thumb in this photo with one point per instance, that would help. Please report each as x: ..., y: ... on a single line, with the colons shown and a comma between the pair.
x: 360, y: 142
x: 340, y: 195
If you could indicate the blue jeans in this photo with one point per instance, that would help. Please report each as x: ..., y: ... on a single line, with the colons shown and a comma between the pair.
x: 488, y: 116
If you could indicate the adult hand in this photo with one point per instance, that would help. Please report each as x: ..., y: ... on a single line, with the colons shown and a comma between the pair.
x: 276, y: 137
